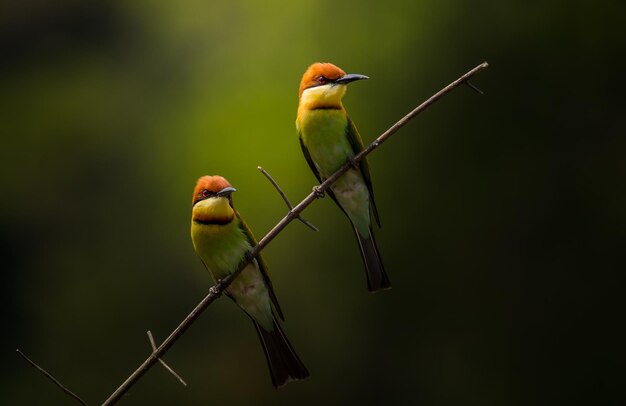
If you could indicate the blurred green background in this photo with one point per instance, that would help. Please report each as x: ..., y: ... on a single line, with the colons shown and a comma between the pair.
x: 504, y: 215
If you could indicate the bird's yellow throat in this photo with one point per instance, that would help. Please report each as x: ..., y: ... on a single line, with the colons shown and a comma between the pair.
x: 327, y: 96
x: 215, y: 210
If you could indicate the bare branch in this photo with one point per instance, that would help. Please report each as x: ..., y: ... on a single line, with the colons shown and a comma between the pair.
x: 216, y: 290
x: 286, y: 199
x: 52, y: 378
x: 171, y: 371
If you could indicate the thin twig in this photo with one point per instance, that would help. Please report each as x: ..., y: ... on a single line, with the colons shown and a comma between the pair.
x: 171, y: 371
x: 216, y: 290
x: 474, y: 88
x: 52, y: 378
x: 285, y: 198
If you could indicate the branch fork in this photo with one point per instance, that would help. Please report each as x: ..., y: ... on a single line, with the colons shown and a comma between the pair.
x: 170, y: 370
x: 286, y: 199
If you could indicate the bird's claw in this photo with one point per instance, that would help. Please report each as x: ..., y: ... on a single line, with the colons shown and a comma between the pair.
x: 248, y: 257
x: 215, y: 290
x: 318, y: 192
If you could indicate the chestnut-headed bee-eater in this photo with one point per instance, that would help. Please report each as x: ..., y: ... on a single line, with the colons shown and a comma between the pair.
x: 329, y: 139
x: 221, y: 238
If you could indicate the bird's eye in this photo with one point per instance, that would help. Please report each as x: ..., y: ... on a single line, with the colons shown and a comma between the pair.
x: 321, y: 80
x: 206, y: 193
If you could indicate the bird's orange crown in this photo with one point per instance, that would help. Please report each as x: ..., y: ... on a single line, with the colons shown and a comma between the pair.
x: 211, y: 183
x: 319, y: 74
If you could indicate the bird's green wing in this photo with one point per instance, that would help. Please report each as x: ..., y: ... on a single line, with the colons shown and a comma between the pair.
x: 357, y: 146
x: 262, y: 265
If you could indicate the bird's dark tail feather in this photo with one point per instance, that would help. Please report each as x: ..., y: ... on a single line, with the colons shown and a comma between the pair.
x: 282, y: 360
x: 377, y: 278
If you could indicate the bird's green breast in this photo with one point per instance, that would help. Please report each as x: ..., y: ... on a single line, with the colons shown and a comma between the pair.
x: 221, y: 247
x: 323, y: 132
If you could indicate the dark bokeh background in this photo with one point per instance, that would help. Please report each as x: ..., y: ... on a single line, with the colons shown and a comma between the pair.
x: 504, y: 215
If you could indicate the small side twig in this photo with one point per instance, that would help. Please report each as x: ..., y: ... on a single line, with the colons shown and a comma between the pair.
x: 286, y: 199
x: 171, y: 371
x: 474, y: 88
x: 52, y: 378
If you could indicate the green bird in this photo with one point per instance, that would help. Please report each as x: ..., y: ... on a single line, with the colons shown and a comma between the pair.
x: 221, y: 239
x: 329, y: 139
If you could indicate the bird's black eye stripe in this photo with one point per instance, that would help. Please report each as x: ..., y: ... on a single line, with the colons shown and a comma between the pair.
x: 207, y: 193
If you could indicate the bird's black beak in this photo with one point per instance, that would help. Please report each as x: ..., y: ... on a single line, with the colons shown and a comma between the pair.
x: 226, y: 191
x: 350, y: 77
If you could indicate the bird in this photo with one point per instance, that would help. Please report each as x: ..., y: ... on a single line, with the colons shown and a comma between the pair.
x: 222, y: 240
x: 329, y: 139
